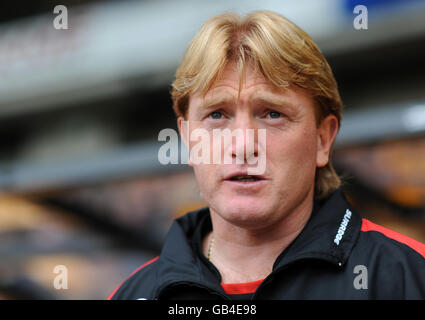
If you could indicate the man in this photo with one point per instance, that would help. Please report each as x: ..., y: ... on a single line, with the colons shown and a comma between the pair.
x: 289, y: 232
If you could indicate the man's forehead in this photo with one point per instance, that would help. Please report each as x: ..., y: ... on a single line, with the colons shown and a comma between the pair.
x: 234, y: 83
x: 219, y: 95
x: 228, y: 85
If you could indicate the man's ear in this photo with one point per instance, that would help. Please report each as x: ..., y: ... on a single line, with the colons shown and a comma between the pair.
x: 326, y: 133
x: 183, y: 126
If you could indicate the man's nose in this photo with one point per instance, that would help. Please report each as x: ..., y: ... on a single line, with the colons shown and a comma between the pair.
x: 244, y: 138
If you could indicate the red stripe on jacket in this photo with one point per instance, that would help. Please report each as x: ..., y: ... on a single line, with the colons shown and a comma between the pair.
x: 139, y: 268
x: 415, y: 245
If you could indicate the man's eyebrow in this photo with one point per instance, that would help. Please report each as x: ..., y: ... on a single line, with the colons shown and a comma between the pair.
x: 216, y: 102
x: 260, y: 100
x: 272, y: 101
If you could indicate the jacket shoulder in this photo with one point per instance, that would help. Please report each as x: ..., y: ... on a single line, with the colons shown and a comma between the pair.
x: 388, y: 237
x: 140, y: 284
x: 394, y: 262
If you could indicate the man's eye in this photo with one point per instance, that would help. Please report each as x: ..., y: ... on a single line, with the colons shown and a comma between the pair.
x: 216, y: 115
x: 274, y: 114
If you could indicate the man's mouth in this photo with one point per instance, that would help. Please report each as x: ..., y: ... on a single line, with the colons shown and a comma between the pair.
x: 245, y: 178
x: 243, y: 182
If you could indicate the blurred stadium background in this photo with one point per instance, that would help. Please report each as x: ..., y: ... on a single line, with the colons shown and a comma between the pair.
x: 81, y: 109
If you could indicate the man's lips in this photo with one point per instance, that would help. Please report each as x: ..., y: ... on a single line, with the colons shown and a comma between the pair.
x: 243, y: 177
x: 243, y: 182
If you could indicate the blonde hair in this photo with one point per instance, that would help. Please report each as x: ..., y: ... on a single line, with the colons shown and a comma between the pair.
x: 273, y: 45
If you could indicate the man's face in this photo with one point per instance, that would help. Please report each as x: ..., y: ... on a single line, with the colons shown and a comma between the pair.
x: 294, y: 147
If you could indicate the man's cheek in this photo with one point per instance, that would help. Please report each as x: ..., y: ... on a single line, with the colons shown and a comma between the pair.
x: 206, y: 176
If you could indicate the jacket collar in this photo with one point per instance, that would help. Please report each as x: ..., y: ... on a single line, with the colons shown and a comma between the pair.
x: 181, y: 259
x: 329, y: 235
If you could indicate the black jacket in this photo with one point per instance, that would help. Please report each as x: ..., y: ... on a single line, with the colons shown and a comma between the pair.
x: 337, y: 255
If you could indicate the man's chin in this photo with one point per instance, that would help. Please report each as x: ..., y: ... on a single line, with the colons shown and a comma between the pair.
x: 246, y: 214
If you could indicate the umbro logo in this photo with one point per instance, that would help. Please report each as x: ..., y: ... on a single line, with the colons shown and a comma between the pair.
x: 342, y: 227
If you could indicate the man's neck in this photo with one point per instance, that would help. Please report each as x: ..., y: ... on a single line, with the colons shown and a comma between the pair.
x: 245, y: 255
